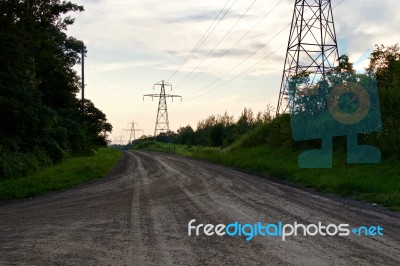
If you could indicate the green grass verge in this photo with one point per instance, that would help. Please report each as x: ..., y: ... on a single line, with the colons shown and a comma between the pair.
x: 376, y: 183
x: 71, y: 172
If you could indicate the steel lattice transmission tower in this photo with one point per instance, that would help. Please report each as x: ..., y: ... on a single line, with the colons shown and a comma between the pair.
x: 162, y: 122
x: 132, y: 130
x: 312, y: 46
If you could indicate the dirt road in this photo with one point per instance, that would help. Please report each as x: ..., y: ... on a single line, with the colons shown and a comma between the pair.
x: 139, y: 215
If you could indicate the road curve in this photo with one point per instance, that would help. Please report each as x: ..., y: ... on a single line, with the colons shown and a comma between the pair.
x: 139, y: 214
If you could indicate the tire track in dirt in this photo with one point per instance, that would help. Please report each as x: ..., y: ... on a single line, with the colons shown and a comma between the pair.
x: 139, y: 214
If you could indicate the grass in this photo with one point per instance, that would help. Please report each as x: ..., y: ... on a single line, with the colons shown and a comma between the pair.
x: 71, y: 172
x: 375, y: 183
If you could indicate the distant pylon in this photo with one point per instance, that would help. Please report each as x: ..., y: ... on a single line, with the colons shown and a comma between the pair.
x: 162, y: 122
x: 133, y: 130
x: 118, y: 139
x: 312, y: 46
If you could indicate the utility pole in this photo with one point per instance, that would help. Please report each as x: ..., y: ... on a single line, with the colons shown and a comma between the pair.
x: 83, y: 77
x: 162, y: 122
x: 312, y: 48
x: 132, y: 130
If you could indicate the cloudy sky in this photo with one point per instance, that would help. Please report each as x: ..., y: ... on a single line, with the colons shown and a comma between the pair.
x: 133, y: 44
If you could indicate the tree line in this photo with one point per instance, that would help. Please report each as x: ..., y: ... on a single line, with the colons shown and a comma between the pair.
x: 41, y: 119
x: 222, y: 130
x: 215, y: 130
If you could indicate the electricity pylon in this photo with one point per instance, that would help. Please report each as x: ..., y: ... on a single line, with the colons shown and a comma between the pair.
x: 119, y: 141
x: 133, y: 130
x: 312, y: 48
x: 162, y: 122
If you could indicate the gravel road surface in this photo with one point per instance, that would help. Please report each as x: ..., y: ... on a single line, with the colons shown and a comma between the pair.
x: 139, y: 215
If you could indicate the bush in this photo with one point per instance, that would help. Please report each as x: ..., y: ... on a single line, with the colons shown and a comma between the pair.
x: 17, y: 164
x: 274, y: 133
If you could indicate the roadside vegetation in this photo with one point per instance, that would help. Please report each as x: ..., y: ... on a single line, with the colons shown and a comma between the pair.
x: 71, y: 172
x: 263, y: 143
x: 49, y: 139
x: 41, y: 120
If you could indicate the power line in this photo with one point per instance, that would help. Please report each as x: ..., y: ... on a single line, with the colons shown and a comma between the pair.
x: 232, y: 46
x: 245, y: 71
x: 244, y: 60
x: 145, y: 110
x: 338, y: 4
x: 220, y: 41
x: 204, y: 37
x: 236, y: 76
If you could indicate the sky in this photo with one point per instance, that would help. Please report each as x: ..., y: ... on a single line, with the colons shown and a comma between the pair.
x: 133, y: 44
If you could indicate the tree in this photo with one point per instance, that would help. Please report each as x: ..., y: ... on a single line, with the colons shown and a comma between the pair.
x: 39, y: 112
x: 245, y: 122
x: 265, y: 116
x: 96, y: 124
x: 385, y: 66
x: 186, y: 136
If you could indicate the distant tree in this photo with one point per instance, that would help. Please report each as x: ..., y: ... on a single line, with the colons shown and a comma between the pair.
x: 226, y: 120
x: 245, y: 122
x: 217, y: 135
x: 343, y: 72
x: 185, y: 135
x: 166, y: 137
x: 95, y: 122
x: 265, y: 116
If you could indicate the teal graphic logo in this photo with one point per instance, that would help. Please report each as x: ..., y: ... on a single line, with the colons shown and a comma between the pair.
x: 341, y: 103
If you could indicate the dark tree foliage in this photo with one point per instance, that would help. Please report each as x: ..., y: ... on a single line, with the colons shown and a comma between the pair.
x: 40, y: 117
x: 96, y: 124
x: 221, y: 130
x: 186, y: 135
x: 215, y: 131
x: 385, y: 66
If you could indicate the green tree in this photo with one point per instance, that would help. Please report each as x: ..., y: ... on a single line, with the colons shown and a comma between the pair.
x: 245, y: 122
x: 186, y: 136
x: 96, y: 124
x: 39, y: 112
x: 385, y: 66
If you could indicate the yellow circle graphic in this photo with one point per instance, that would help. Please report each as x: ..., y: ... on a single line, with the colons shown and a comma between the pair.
x: 353, y: 117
